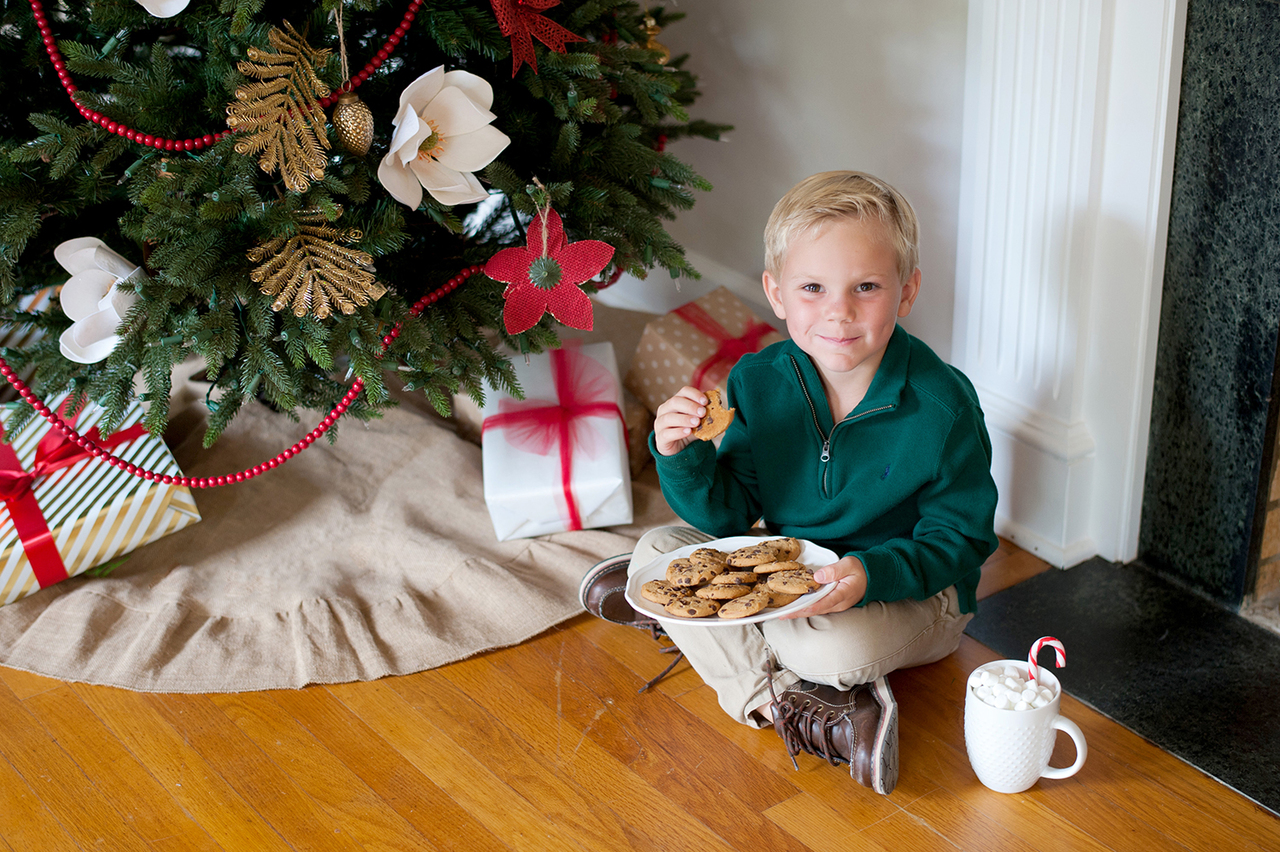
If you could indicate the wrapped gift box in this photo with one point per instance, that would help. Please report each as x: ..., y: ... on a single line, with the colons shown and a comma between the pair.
x: 64, y: 512
x: 557, y: 460
x: 696, y: 344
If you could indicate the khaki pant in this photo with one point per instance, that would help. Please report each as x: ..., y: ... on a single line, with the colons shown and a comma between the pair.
x: 841, y: 649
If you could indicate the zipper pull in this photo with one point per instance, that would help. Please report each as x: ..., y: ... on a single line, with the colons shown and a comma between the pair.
x: 826, y: 450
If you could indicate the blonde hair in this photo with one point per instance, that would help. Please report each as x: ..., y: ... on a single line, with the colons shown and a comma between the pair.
x: 820, y: 198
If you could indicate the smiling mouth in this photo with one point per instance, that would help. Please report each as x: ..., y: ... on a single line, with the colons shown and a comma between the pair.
x: 838, y: 341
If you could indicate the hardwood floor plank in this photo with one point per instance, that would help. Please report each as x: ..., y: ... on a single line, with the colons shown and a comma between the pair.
x: 684, y: 736
x: 964, y: 825
x: 477, y: 789
x: 530, y: 775
x: 194, y: 783
x: 820, y: 827
x: 80, y: 808
x: 347, y: 802
x: 24, y: 684
x: 251, y: 773
x: 143, y: 802
x: 649, y: 818
x: 393, y: 778
x: 674, y: 749
x: 27, y: 823
x: 905, y: 832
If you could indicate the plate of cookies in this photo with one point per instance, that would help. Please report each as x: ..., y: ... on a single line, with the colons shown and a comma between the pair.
x: 742, y: 579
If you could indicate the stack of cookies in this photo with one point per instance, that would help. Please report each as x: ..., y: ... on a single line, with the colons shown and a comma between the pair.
x: 743, y: 582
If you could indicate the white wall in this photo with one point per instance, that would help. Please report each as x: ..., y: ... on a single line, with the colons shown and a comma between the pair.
x: 812, y: 85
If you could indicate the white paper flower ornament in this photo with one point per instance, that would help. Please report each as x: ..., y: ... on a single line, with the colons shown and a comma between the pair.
x: 91, y: 299
x: 443, y: 133
x: 164, y: 8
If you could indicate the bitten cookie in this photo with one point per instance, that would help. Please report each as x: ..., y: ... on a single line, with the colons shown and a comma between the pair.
x: 717, y: 418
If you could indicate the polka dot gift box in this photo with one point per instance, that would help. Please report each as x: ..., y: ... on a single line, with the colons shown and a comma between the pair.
x: 696, y: 344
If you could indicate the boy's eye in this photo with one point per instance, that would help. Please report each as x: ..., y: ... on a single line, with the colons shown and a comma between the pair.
x: 811, y: 287
x: 866, y: 286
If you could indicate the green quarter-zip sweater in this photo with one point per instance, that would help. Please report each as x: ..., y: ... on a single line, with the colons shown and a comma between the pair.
x: 903, y: 482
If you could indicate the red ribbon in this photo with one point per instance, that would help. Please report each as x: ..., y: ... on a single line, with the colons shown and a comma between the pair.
x: 54, y: 452
x: 584, y: 389
x: 731, y: 348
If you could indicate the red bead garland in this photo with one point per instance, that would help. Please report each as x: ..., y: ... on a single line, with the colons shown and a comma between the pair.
x: 258, y: 469
x: 197, y: 143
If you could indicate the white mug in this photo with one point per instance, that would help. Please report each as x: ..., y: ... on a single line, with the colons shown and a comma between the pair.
x: 1009, y: 750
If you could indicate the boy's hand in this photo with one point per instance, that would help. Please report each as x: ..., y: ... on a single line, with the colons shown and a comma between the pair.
x: 677, y: 418
x: 850, y: 578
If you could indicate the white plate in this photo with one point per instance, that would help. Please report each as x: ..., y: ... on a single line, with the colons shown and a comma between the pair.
x: 811, y: 556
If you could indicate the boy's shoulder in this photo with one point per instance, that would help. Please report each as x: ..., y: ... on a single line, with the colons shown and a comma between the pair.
x: 937, y: 380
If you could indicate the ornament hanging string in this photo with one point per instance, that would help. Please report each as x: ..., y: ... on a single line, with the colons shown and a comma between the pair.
x: 97, y: 450
x: 197, y: 143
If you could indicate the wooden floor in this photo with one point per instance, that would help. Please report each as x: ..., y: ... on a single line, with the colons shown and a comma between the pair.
x: 548, y: 746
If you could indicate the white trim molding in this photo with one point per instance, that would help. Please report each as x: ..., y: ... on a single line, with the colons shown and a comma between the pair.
x: 1066, y: 169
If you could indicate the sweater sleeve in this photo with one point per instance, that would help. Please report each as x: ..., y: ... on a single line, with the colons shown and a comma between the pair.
x: 714, y: 491
x: 955, y: 533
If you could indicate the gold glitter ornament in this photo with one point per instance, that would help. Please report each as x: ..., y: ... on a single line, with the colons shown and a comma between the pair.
x: 353, y: 124
x: 651, y: 29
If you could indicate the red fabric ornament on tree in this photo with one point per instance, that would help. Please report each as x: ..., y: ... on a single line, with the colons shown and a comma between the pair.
x: 519, y: 20
x: 544, y: 275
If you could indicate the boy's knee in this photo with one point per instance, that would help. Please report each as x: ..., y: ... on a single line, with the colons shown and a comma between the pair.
x: 662, y: 540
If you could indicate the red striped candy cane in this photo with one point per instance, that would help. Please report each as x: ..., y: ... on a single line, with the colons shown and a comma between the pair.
x: 1059, y: 651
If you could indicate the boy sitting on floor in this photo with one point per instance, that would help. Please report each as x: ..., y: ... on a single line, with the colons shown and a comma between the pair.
x: 854, y: 435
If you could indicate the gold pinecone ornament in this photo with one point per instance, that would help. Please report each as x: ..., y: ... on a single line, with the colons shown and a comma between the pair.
x: 353, y: 124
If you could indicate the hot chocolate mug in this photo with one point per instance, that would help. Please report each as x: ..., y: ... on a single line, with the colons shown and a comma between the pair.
x: 1009, y: 750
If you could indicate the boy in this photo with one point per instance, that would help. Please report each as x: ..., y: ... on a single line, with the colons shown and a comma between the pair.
x: 851, y: 434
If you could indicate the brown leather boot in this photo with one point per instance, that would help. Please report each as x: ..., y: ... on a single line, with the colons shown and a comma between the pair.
x: 858, y: 727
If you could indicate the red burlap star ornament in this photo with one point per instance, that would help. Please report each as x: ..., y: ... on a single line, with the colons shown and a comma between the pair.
x: 544, y: 275
x: 520, y: 20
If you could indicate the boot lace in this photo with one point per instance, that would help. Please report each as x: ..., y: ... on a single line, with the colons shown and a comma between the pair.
x: 795, y: 725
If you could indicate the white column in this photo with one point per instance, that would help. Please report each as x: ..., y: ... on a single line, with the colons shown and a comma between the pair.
x: 1070, y: 112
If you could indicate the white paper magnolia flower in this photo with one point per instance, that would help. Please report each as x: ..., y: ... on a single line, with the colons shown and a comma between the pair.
x: 91, y: 299
x: 442, y: 135
x: 164, y: 8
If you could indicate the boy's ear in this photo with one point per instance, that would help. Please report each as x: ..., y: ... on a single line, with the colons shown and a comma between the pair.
x: 774, y: 295
x: 910, y: 289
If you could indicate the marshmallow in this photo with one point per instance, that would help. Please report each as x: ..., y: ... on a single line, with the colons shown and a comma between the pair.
x: 1022, y: 705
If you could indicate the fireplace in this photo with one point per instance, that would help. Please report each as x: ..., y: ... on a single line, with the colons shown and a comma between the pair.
x: 1211, y: 497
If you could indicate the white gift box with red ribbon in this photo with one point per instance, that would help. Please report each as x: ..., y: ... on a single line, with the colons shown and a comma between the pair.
x: 557, y: 460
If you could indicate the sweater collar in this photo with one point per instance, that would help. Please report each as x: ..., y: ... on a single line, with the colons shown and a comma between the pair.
x: 886, y: 386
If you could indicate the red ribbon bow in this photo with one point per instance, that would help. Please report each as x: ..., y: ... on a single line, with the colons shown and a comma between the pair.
x: 731, y: 348
x: 584, y: 388
x: 521, y: 20
x: 54, y: 452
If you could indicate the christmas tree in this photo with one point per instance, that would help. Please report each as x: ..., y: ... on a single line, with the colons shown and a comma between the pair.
x: 301, y: 195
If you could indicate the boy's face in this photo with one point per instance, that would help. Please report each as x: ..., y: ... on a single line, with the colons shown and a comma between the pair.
x: 841, y: 297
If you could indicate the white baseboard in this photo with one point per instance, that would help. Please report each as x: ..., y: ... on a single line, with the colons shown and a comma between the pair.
x: 1051, y: 552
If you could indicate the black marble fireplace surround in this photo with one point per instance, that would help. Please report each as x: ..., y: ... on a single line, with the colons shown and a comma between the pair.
x: 1214, y: 398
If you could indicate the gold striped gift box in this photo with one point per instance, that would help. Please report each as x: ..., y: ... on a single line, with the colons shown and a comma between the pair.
x: 94, y: 512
